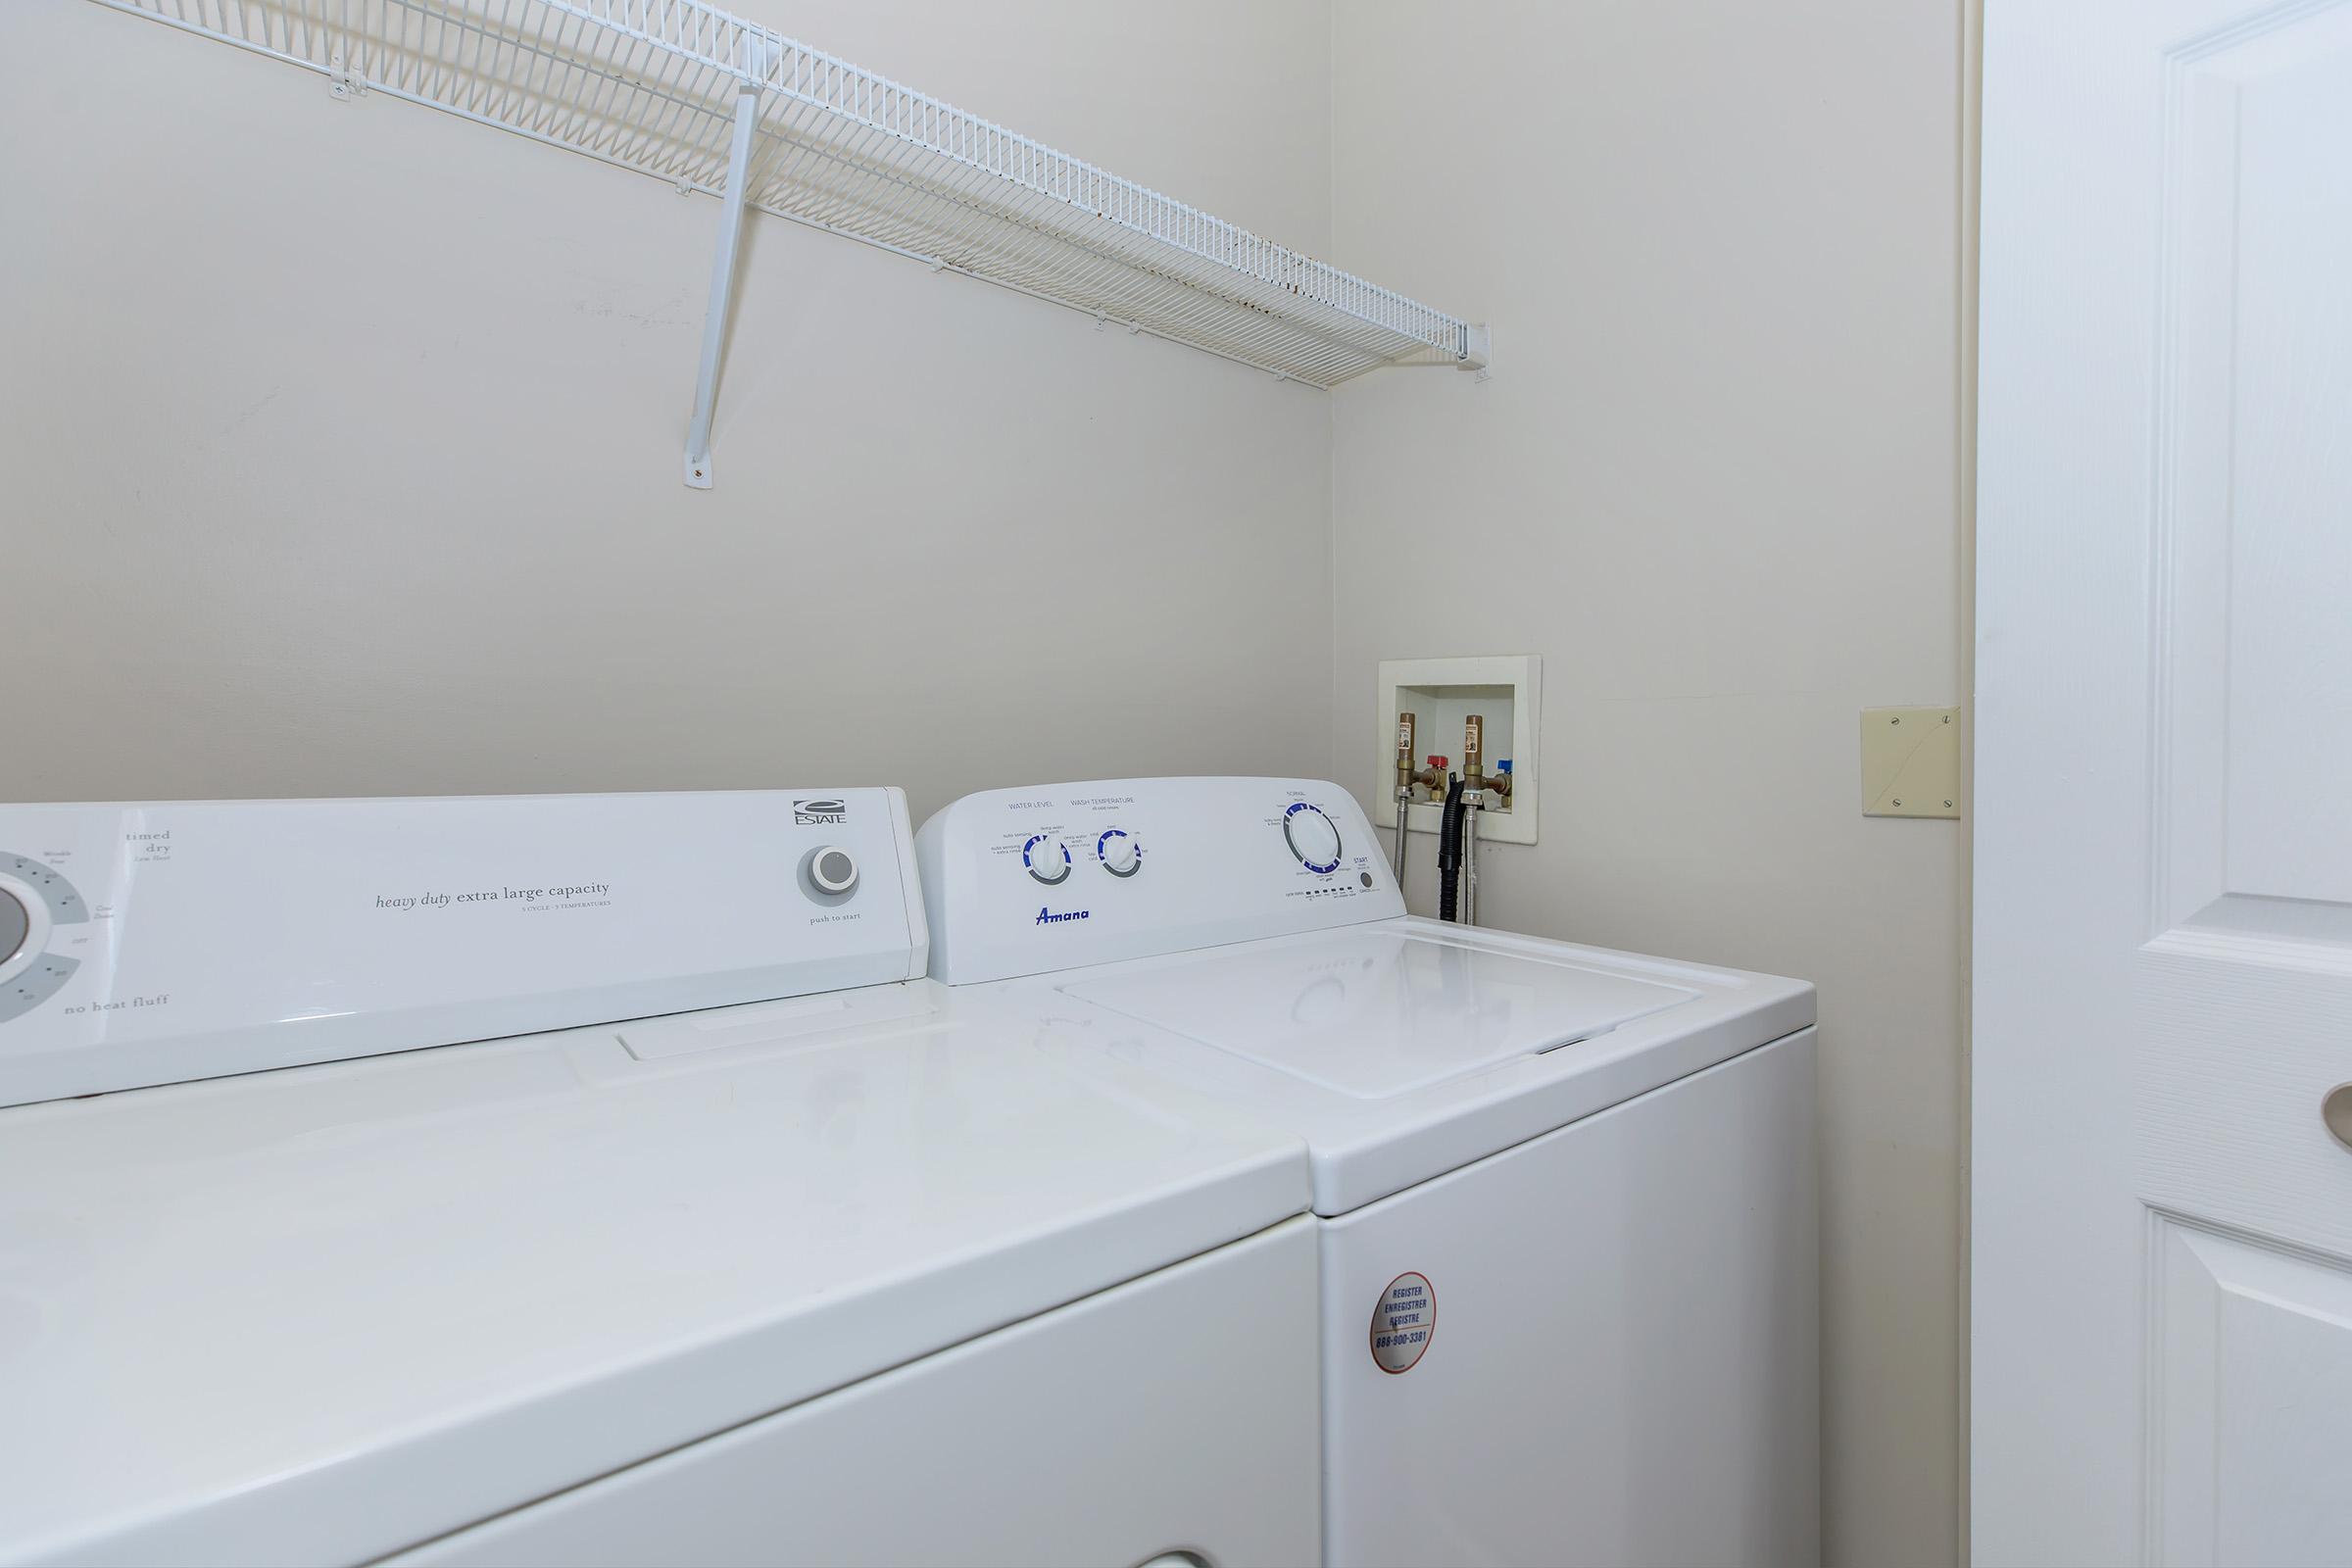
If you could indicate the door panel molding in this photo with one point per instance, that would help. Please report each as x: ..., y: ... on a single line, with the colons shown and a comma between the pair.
x: 2247, y: 1367
x: 2247, y: 863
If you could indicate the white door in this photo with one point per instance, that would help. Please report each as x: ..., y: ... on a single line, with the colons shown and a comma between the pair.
x: 2162, y: 1314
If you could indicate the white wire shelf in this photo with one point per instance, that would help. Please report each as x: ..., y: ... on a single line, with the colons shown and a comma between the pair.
x: 657, y: 85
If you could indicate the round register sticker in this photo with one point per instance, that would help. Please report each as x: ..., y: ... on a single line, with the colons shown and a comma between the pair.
x: 1403, y: 1320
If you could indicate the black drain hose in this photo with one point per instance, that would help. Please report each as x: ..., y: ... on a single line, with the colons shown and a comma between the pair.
x: 1449, y: 845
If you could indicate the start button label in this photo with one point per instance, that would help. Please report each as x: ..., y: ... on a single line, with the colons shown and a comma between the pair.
x: 1403, y: 1320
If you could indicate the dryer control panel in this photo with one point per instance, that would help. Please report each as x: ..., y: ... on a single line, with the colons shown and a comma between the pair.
x: 144, y: 944
x: 1024, y: 881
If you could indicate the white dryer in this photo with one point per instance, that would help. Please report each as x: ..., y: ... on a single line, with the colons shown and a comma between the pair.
x: 849, y: 1276
x: 1566, y: 1197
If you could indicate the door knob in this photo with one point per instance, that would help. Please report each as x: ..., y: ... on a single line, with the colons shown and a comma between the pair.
x: 2335, y: 1109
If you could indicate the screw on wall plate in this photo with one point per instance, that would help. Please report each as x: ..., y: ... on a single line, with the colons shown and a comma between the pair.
x: 1899, y: 803
x: 1948, y: 718
x: 1947, y: 806
x: 1895, y: 721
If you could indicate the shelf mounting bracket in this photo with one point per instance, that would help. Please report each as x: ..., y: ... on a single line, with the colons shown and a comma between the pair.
x: 343, y: 83
x: 722, y: 284
x: 1474, y: 350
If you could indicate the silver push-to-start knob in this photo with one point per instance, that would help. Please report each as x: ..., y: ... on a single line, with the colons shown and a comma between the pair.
x: 833, y: 869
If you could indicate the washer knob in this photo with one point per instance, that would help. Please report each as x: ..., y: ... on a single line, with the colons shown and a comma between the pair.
x: 833, y: 869
x: 1119, y: 852
x: 1312, y: 837
x: 1047, y: 859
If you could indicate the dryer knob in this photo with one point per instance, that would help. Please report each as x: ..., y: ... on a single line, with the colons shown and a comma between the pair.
x: 16, y: 924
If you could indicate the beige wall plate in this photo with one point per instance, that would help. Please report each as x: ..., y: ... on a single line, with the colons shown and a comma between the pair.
x: 1911, y: 761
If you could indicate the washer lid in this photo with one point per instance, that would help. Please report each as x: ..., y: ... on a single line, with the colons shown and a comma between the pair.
x: 324, y: 1313
x: 1401, y: 1050
x: 1375, y: 1012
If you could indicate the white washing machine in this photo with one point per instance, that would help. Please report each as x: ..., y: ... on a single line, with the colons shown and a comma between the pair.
x: 1565, y: 1197
x: 859, y: 1276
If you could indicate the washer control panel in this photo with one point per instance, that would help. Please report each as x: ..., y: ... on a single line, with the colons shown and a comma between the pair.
x: 1024, y: 881
x: 148, y: 944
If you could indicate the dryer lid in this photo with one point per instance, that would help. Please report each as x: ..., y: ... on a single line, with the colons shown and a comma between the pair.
x: 1381, y: 1010
x: 323, y: 1313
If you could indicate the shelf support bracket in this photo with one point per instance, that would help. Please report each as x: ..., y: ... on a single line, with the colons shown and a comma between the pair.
x: 1474, y: 350
x: 722, y: 286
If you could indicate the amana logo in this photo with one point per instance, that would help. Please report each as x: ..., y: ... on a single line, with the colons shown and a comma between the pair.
x: 1048, y: 917
x: 827, y: 811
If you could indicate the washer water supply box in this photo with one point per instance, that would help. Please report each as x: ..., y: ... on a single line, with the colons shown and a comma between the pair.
x: 153, y: 943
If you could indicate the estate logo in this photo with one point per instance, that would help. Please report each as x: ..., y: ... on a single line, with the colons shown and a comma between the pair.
x: 1048, y: 917
x: 823, y: 810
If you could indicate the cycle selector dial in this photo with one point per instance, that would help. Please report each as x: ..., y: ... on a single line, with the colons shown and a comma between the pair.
x: 1047, y: 860
x: 16, y: 924
x: 1119, y: 852
x: 1313, y: 837
x: 33, y: 902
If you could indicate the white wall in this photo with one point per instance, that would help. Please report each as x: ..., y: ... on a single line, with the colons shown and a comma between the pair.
x: 341, y: 442
x: 1713, y: 483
